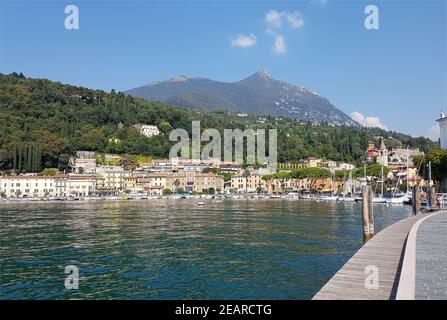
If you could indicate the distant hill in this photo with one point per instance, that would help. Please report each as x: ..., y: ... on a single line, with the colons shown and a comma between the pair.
x: 43, y: 123
x: 257, y: 94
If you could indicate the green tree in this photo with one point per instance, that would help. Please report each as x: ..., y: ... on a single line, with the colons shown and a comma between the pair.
x: 63, y: 162
x: 313, y: 174
x: 48, y: 172
x: 438, y: 159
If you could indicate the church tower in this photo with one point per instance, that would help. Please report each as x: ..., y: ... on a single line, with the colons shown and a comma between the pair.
x: 383, y: 154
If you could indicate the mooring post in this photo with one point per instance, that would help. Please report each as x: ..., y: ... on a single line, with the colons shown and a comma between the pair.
x: 371, y: 212
x: 416, y: 200
x: 367, y: 212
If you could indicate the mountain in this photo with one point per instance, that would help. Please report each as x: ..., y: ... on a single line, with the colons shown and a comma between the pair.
x: 257, y: 94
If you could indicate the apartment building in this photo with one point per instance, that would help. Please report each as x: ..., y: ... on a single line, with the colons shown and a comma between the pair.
x: 111, y: 178
x: 153, y: 183
x: 78, y: 185
x: 28, y: 186
x: 251, y: 183
x: 195, y: 182
x: 47, y: 186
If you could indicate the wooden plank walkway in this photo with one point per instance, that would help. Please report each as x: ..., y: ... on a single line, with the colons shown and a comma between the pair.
x: 384, y: 251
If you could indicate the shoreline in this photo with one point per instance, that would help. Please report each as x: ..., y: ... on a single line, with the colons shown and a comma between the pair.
x: 200, y: 198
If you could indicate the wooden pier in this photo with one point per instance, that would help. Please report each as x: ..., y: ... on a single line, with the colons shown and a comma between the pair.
x: 383, y: 253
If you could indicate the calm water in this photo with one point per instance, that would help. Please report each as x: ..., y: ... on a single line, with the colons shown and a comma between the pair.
x: 174, y: 249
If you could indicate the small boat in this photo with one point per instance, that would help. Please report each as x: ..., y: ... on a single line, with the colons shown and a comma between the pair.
x: 379, y: 200
x: 397, y: 200
x: 201, y: 203
x: 347, y: 199
x: 329, y: 198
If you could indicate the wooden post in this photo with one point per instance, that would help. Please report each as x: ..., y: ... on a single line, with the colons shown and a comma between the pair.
x: 416, y: 200
x: 367, y: 215
x: 371, y: 212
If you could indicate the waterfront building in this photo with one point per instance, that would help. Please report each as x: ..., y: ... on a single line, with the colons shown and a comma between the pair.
x: 29, y: 186
x: 131, y: 184
x: 77, y: 185
x: 111, y: 178
x: 153, y: 183
x: 195, y: 182
x: 47, y: 186
x: 402, y: 176
x: 443, y: 130
x: 252, y: 183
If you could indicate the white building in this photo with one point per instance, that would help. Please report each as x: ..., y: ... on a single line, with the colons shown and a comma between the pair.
x: 47, y: 186
x: 443, y: 130
x: 111, y: 178
x: 399, y: 156
x: 149, y: 131
x: 252, y: 183
x: 84, y: 166
x: 28, y: 186
x: 81, y: 186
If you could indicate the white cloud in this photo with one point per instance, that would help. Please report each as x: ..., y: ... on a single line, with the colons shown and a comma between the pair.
x: 320, y: 3
x: 244, y: 41
x: 433, y: 132
x: 370, y: 122
x: 295, y: 19
x: 280, y: 45
x: 275, y: 19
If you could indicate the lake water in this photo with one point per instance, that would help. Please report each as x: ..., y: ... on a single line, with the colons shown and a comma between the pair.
x: 174, y: 249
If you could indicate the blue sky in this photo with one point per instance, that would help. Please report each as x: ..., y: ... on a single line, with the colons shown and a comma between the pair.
x: 397, y: 73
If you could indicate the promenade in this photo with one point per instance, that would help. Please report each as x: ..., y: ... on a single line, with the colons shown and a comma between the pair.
x: 409, y: 259
x: 431, y: 259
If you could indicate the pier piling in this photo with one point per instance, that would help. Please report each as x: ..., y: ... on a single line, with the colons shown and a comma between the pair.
x: 367, y: 213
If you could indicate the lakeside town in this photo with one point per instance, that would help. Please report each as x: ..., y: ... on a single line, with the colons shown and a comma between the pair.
x: 94, y: 176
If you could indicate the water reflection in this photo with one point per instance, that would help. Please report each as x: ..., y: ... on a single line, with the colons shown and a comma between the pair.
x: 166, y: 249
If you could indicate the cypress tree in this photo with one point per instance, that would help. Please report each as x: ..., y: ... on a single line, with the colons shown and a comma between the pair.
x: 19, y: 167
x: 14, y: 156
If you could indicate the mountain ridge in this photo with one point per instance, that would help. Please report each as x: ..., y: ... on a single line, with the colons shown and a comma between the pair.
x: 258, y: 93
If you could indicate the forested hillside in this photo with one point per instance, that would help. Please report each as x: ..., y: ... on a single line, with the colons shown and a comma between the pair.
x: 42, y: 123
